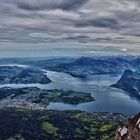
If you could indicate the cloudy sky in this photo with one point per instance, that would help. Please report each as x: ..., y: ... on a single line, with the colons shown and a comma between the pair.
x: 69, y: 27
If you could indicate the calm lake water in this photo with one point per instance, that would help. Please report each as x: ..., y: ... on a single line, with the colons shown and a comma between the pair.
x: 107, y: 99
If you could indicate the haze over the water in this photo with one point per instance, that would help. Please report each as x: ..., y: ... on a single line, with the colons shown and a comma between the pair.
x: 39, y: 28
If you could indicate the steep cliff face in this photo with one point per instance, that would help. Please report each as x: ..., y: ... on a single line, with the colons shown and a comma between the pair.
x: 131, y: 131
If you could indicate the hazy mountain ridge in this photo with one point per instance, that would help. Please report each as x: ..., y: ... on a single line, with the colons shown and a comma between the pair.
x: 85, y: 66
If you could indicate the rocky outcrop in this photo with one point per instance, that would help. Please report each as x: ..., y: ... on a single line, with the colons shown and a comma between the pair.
x: 130, y: 82
x: 131, y: 131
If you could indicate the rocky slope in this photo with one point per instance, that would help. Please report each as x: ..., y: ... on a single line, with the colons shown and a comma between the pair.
x: 130, y: 132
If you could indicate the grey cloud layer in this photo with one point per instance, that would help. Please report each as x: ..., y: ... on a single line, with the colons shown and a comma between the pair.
x: 96, y: 22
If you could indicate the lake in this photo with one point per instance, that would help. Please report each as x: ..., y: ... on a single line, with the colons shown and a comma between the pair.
x: 107, y: 99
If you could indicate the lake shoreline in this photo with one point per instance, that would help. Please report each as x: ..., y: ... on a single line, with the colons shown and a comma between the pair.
x: 107, y: 99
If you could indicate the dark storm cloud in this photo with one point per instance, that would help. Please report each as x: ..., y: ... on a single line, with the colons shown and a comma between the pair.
x: 104, y: 22
x: 50, y: 4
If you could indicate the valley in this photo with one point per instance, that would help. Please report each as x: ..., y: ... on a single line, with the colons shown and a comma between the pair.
x: 67, y: 98
x: 107, y: 98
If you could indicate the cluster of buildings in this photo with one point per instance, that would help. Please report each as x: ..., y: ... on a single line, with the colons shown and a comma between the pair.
x: 20, y: 103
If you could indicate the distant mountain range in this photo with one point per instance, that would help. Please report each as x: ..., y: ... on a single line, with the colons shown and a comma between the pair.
x: 130, y: 82
x: 86, y: 66
x: 81, y: 67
